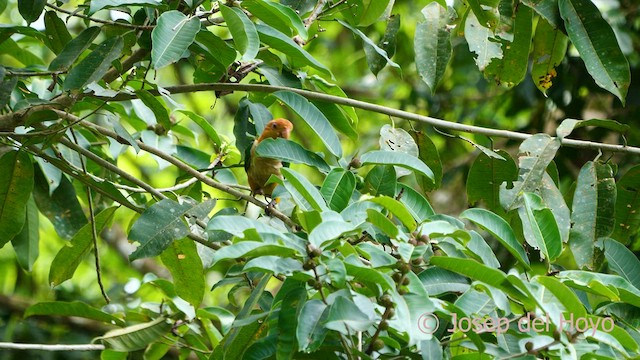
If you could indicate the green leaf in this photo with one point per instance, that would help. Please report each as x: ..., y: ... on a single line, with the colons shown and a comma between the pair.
x: 288, y: 322
x: 71, y: 255
x: 397, y: 140
x: 135, y: 337
x: 171, y: 37
x: 540, y: 227
x: 273, y: 264
x: 592, y: 214
x: 417, y: 204
x: 346, y: 317
x: 305, y: 188
x: 183, y: 262
x: 311, y: 331
x: 500, y: 229
x: 212, y: 134
x: 97, y: 5
x: 57, y: 34
x: 597, y: 45
x: 312, y: 116
x: 428, y: 153
x: 549, y: 48
x: 329, y: 230
x: 381, y: 180
x: 568, y: 125
x: 95, y: 65
x: 74, y: 308
x: 16, y: 184
x: 25, y: 243
x: 370, y: 44
x: 61, y: 207
x: 290, y: 151
x: 613, y: 287
x: 477, y: 271
x: 372, y: 10
x: 31, y: 9
x: 627, y: 206
x: 536, y: 153
x: 548, y: 10
x: 327, y: 87
x: 387, y: 43
x: 281, y: 17
x: 398, y: 210
x: 512, y: 67
x: 156, y: 106
x: 622, y: 261
x: 486, y: 177
x: 338, y: 188
x: 281, y: 42
x: 566, y: 296
x: 383, y: 223
x: 74, y: 48
x: 432, y: 43
x: 399, y: 159
x: 160, y: 225
x: 481, y: 41
x: 438, y: 281
x: 243, y: 31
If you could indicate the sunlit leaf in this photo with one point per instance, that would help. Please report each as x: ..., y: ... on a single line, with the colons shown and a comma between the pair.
x: 74, y: 308
x: 182, y: 260
x: 290, y: 151
x: 135, y: 337
x: 432, y: 44
x: 171, y: 37
x: 337, y: 188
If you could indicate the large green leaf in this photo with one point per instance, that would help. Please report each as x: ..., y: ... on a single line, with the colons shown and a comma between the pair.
x: 160, y: 225
x: 314, y: 117
x: 185, y: 265
x: 171, y: 37
x: 243, y: 31
x: 432, y: 44
x: 370, y: 44
x: 486, y: 176
x: 372, y: 10
x: 135, y: 337
x: 592, y: 213
x: 156, y: 106
x: 627, y: 206
x: 398, y: 209
x: 614, y: 287
x: 338, y: 188
x: 71, y: 255
x: 74, y: 308
x: 428, y: 153
x: 290, y: 151
x: 568, y: 125
x: 345, y: 317
x: 535, y: 155
x: 281, y: 42
x: 16, y: 184
x: 26, y: 242
x: 31, y: 9
x: 598, y: 46
x: 74, y: 48
x: 387, y: 43
x: 292, y: 302
x: 417, y: 204
x: 540, y: 227
x: 500, y: 229
x: 57, y: 34
x: 306, y: 189
x: 311, y: 330
x: 549, y: 48
x: 564, y: 294
x: 396, y: 158
x: 548, y: 10
x: 381, y: 180
x: 97, y: 5
x: 95, y: 65
x: 622, y: 261
x: 279, y: 16
x: 512, y: 67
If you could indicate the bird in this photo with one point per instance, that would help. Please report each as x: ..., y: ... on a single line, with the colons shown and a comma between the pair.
x: 259, y: 169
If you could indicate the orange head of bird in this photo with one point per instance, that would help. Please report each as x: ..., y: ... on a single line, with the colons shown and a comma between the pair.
x: 277, y: 128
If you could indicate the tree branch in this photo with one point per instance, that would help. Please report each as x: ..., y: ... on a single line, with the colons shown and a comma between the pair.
x: 47, y: 347
x: 507, y: 134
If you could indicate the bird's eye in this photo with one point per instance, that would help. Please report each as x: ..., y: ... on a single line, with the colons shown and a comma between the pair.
x: 274, y: 125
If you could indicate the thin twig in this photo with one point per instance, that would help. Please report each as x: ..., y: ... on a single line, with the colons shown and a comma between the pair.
x: 507, y: 134
x: 47, y: 347
x: 10, y: 73
x: 92, y: 221
x: 100, y: 21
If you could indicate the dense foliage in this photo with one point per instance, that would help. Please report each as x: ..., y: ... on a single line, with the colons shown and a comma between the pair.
x: 462, y: 180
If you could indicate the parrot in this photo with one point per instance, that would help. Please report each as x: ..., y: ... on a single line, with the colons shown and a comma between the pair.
x: 259, y: 169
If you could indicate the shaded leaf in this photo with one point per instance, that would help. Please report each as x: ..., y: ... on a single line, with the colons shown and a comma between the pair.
x: 371, y: 44
x: 306, y: 189
x: 135, y: 337
x: 622, y: 261
x: 381, y: 180
x: 171, y: 37
x: 95, y: 65
x: 279, y: 16
x: 290, y: 151
x: 182, y: 260
x: 432, y: 44
x: 57, y: 34
x: 297, y: 55
x: 26, y: 242
x: 16, y: 184
x: 74, y: 48
x: 428, y: 153
x: 627, y: 212
x: 97, y: 5
x: 31, y: 9
x: 486, y: 176
x: 375, y: 61
x: 549, y: 48
x: 337, y: 188
x: 74, y: 308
